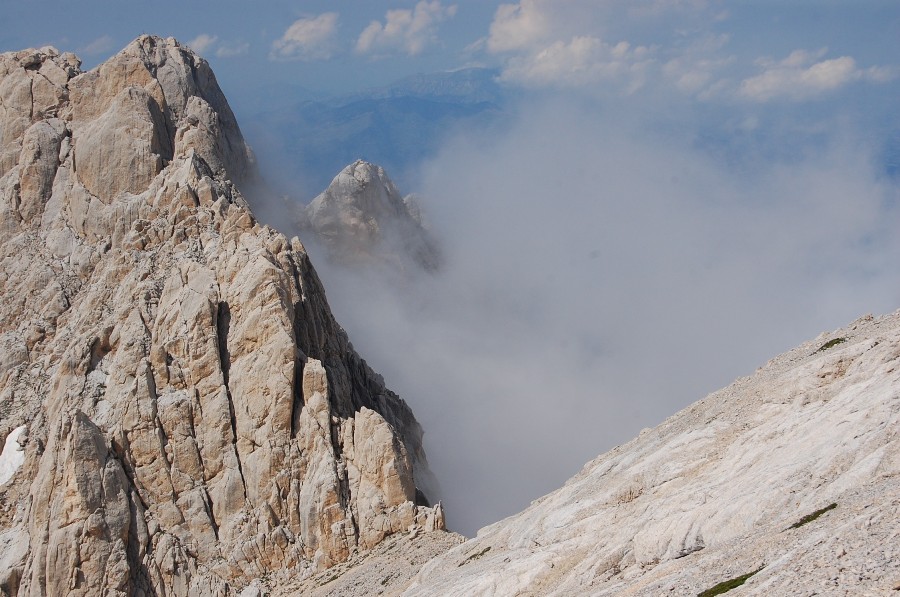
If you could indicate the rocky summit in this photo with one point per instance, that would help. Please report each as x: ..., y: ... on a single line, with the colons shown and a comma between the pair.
x: 182, y: 413
x: 362, y: 221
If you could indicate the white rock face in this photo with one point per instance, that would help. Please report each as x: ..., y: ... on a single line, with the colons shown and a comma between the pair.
x: 362, y: 220
x: 13, y: 456
x: 196, y: 416
x: 713, y: 492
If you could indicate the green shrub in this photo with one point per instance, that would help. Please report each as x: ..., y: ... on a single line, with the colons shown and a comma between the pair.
x: 813, y: 516
x: 830, y: 344
x: 724, y: 587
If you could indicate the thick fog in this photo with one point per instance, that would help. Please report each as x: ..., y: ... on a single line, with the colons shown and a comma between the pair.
x: 599, y: 276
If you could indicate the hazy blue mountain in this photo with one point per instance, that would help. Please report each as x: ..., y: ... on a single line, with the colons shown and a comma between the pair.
x: 467, y: 86
x: 302, y: 146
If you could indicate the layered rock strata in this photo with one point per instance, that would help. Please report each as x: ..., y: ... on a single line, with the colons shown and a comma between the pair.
x: 194, y: 417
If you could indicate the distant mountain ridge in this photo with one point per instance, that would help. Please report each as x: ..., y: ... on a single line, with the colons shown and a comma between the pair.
x: 467, y: 86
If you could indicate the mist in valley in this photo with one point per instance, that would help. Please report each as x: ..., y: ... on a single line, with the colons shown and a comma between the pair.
x: 600, y: 272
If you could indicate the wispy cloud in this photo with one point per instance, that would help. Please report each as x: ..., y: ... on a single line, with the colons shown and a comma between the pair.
x: 409, y: 31
x: 101, y: 45
x: 206, y: 44
x: 308, y: 38
x: 696, y: 69
x: 518, y: 26
x: 801, y: 77
x: 231, y: 50
x: 202, y: 43
x: 584, y: 60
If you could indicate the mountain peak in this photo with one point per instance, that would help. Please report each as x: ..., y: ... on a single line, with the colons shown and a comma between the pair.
x: 362, y: 219
x: 185, y: 413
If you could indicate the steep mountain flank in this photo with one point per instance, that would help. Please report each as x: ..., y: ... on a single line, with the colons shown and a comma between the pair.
x: 362, y: 220
x: 187, y: 413
x: 787, y: 480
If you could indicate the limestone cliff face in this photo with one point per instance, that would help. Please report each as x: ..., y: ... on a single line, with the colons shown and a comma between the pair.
x: 193, y: 416
x: 362, y: 220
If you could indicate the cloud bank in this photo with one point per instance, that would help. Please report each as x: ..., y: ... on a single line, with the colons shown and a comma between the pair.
x: 602, y: 273
x: 663, y: 212
x: 586, y: 44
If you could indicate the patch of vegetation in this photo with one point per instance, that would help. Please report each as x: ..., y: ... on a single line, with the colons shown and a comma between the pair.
x: 724, y: 587
x: 475, y: 555
x: 830, y: 344
x: 811, y: 517
x: 629, y: 495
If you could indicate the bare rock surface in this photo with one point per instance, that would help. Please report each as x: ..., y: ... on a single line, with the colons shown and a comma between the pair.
x: 362, y: 220
x: 195, y: 417
x: 792, y: 473
x: 386, y: 570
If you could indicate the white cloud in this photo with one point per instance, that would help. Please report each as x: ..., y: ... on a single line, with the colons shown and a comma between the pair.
x: 799, y: 77
x: 584, y: 60
x: 206, y: 44
x: 202, y: 43
x: 309, y: 38
x: 518, y: 26
x: 408, y: 30
x: 694, y: 70
x: 564, y: 43
x: 101, y: 45
x: 236, y: 49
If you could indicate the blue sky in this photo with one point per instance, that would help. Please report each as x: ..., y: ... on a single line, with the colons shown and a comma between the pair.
x: 682, y: 190
x: 754, y: 52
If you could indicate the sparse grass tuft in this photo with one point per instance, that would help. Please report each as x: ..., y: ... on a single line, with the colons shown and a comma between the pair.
x: 724, y: 587
x: 831, y: 344
x: 813, y: 516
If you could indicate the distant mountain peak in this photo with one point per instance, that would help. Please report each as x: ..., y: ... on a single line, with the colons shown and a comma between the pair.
x: 362, y: 219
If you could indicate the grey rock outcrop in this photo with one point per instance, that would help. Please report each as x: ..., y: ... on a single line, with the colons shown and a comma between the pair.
x: 195, y: 416
x: 362, y: 220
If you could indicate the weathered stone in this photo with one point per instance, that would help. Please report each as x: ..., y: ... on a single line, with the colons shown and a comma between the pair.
x: 192, y: 404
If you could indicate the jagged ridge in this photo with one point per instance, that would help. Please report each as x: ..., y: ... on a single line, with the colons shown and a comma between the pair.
x: 195, y: 417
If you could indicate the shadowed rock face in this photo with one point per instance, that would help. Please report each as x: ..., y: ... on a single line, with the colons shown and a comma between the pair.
x: 195, y: 416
